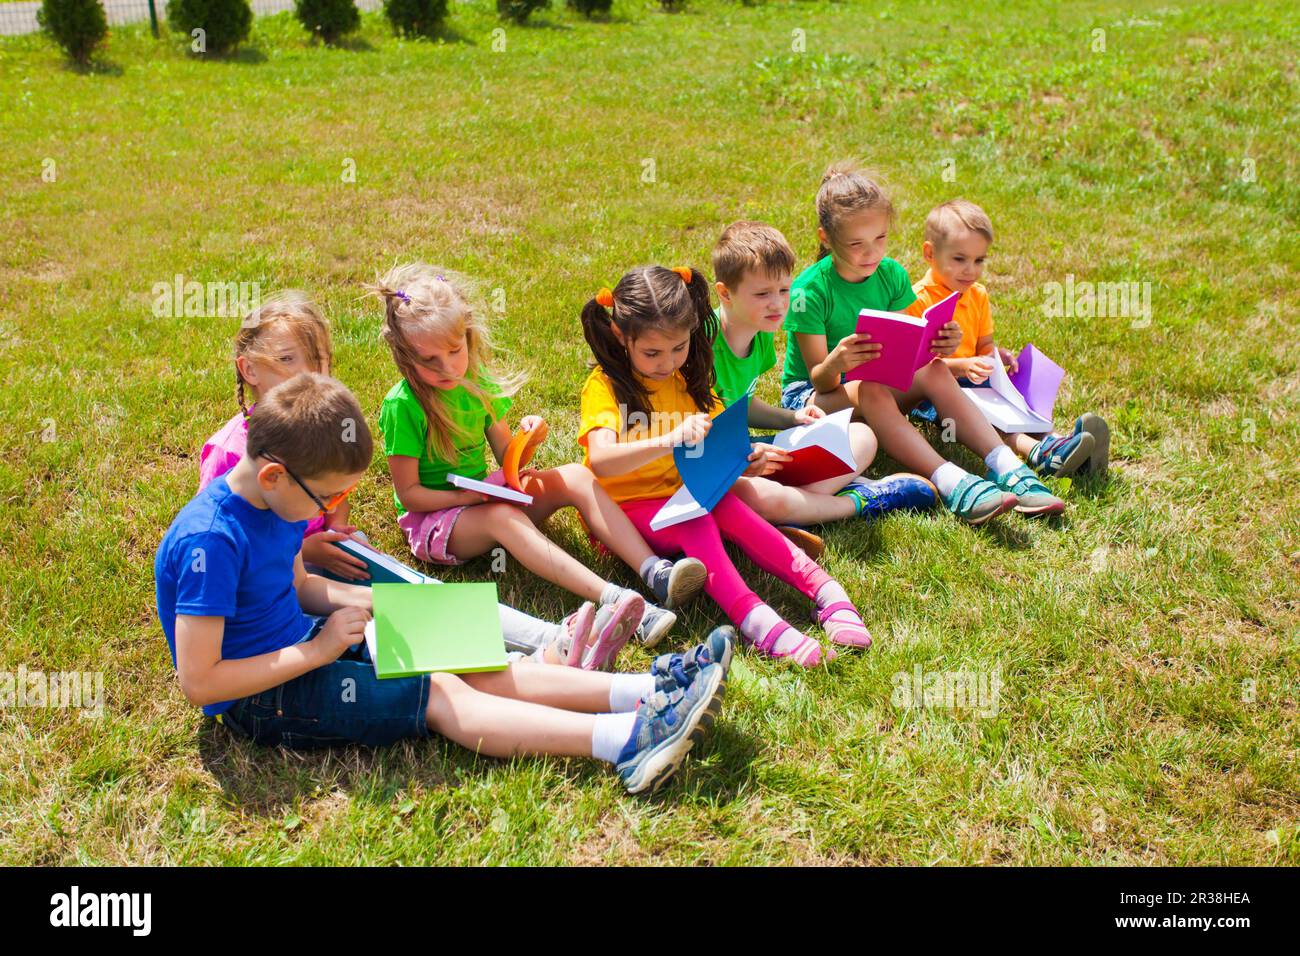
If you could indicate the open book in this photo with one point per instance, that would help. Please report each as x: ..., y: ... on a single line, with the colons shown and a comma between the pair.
x: 709, y: 468
x: 905, y: 343
x: 494, y: 491
x: 1022, y: 403
x: 820, y: 450
x: 422, y: 629
x: 518, y: 453
x: 382, y: 568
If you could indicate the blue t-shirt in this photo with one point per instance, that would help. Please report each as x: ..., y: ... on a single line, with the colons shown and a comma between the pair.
x: 222, y: 557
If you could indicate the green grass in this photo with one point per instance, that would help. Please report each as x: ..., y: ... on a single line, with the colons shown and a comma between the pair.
x: 1123, y: 635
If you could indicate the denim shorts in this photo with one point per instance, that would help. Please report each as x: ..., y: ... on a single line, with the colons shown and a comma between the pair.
x: 926, y: 412
x: 797, y: 394
x: 337, y: 704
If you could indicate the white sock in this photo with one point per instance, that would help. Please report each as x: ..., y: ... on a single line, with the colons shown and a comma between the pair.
x: 759, y: 621
x: 947, y: 477
x: 830, y: 593
x: 613, y: 592
x: 610, y: 734
x: 628, y: 690
x: 1001, y: 460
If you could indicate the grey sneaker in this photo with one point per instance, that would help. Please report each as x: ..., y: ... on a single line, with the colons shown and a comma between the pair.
x: 675, y: 584
x: 667, y: 727
x: 655, y: 623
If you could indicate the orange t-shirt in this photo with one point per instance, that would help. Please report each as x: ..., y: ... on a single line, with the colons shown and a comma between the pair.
x: 670, y: 404
x: 972, y: 312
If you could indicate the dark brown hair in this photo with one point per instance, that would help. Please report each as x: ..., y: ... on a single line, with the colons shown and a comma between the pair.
x: 312, y: 424
x: 748, y: 246
x: 652, y: 298
x: 845, y: 191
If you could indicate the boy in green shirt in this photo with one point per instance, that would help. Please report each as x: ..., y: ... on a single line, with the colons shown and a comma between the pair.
x: 752, y: 268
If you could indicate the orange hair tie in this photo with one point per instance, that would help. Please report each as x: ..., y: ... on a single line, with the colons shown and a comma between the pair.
x: 685, y: 272
x: 606, y: 298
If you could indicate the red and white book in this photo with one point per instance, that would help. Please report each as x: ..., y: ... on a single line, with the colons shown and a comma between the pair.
x: 819, y: 450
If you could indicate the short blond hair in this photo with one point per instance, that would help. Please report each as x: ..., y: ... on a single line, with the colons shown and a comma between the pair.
x: 748, y: 246
x: 948, y: 219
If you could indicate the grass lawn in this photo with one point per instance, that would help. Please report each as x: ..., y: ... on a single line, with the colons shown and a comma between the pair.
x: 1146, y: 645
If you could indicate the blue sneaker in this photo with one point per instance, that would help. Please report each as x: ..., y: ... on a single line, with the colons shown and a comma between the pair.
x: 879, y: 496
x: 678, y: 671
x: 1058, y: 455
x: 975, y: 500
x: 667, y: 727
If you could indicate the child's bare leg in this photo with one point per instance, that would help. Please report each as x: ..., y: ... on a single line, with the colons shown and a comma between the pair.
x: 781, y: 504
x: 877, y: 404
x: 863, y: 442
x: 567, y: 688
x: 480, y: 527
x: 936, y: 383
x: 501, y: 727
x: 1020, y: 443
x: 574, y: 485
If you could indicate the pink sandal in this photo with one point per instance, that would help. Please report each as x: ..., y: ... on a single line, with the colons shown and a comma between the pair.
x: 807, y: 653
x: 849, y: 633
x: 614, y: 625
x: 578, y: 625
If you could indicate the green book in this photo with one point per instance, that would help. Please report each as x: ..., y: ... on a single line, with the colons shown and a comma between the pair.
x: 423, y: 628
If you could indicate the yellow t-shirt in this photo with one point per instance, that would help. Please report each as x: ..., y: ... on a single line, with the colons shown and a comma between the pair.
x: 972, y: 312
x: 670, y: 405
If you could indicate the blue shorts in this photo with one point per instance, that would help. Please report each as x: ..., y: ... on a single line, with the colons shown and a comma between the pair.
x: 797, y: 394
x: 338, y: 704
x: 926, y: 412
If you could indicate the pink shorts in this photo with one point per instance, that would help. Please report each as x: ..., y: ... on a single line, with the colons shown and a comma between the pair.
x: 429, y: 532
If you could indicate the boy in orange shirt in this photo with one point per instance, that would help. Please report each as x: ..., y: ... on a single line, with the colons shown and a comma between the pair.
x: 957, y: 238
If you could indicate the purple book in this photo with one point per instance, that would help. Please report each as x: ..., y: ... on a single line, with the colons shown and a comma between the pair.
x: 1038, y: 379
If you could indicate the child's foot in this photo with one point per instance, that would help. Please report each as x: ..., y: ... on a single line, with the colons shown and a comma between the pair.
x: 976, y: 501
x: 675, y: 583
x: 803, y: 539
x: 1058, y: 455
x: 784, y: 642
x: 655, y: 624
x: 678, y: 671
x: 575, y: 632
x: 843, y: 625
x: 1095, y: 425
x: 667, y: 726
x: 614, y: 625
x: 1032, y: 496
x: 874, y: 497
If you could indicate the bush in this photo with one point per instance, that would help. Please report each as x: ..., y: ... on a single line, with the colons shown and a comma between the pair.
x: 589, y: 8
x: 328, y: 19
x: 416, y: 18
x: 672, y: 6
x: 519, y: 10
x: 225, y: 23
x: 76, y: 25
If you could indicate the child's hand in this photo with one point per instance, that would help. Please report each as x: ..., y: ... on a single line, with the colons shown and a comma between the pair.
x: 765, y: 459
x: 978, y: 368
x: 808, y: 414
x: 853, y: 350
x: 529, y: 422
x: 343, y: 629
x: 316, y: 549
x: 692, y: 430
x: 946, y: 339
x: 1008, y: 360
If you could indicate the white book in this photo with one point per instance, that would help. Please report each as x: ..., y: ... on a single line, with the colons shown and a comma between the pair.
x: 680, y: 507
x: 495, y: 491
x: 1002, y: 404
x: 819, y: 450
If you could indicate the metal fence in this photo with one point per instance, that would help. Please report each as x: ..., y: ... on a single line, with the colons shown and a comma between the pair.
x: 16, y: 18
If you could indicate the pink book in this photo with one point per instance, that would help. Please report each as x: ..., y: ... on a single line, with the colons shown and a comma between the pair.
x: 905, y: 343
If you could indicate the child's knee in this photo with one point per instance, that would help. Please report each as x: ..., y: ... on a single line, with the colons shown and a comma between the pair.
x: 446, y: 691
x: 863, y: 442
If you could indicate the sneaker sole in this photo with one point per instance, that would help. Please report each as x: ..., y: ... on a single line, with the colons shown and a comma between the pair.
x: 1054, y: 508
x: 1009, y: 502
x: 602, y: 651
x: 811, y: 544
x: 685, y: 581
x: 1075, y: 460
x: 581, y: 634
x: 663, y: 762
x: 1100, y: 431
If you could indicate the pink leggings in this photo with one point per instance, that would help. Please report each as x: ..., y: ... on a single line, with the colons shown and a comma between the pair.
x: 735, y: 521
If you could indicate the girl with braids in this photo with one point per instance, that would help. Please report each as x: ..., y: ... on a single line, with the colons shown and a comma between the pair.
x: 438, y: 421
x: 652, y: 390
x: 283, y: 336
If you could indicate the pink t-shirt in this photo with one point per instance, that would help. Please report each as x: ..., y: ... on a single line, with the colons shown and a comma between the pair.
x: 222, y: 452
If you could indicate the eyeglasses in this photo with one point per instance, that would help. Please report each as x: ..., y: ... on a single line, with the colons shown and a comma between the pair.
x: 328, y: 504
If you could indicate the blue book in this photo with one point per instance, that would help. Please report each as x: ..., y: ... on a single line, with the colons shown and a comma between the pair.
x: 709, y: 468
x: 382, y: 568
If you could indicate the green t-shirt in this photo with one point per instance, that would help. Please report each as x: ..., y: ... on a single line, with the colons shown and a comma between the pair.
x: 823, y: 303
x: 406, y: 429
x: 736, y: 373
